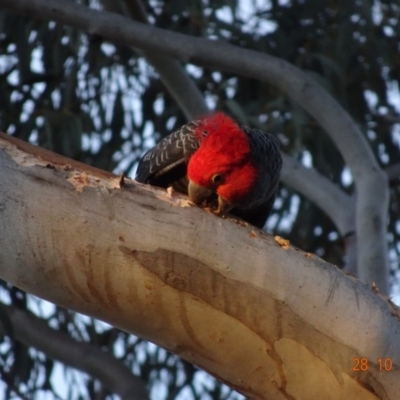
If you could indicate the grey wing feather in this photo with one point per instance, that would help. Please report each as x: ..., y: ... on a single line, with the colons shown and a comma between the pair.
x: 167, y: 155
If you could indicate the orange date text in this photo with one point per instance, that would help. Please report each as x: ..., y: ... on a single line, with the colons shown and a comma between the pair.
x: 362, y: 364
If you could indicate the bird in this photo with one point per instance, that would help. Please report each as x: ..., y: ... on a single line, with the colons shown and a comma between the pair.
x: 219, y: 165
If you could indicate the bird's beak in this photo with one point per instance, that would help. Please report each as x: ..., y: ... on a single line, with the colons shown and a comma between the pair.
x: 223, y: 206
x: 200, y: 195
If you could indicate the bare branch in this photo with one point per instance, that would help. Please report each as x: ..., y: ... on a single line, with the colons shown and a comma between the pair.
x: 240, y: 304
x: 328, y: 197
x: 85, y: 357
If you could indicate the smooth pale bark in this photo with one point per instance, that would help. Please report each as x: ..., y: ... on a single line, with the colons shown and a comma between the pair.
x: 370, y: 181
x: 272, y: 322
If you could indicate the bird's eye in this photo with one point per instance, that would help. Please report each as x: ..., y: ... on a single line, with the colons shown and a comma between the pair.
x: 217, y: 178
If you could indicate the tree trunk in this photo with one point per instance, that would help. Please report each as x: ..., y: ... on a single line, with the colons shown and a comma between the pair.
x: 266, y: 318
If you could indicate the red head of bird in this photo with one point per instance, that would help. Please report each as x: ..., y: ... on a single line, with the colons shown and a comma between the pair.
x: 222, y: 164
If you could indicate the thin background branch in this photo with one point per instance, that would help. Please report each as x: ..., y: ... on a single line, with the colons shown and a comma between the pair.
x: 85, y: 357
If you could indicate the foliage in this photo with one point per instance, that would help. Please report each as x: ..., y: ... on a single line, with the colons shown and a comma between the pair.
x: 102, y: 104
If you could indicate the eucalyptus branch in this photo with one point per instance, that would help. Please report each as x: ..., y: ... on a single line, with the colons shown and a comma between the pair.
x: 157, y: 271
x: 321, y: 191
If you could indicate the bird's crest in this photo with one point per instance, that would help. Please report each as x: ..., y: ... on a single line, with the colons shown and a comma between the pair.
x: 220, y: 134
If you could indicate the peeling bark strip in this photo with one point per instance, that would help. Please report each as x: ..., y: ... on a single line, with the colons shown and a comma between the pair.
x: 270, y: 321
